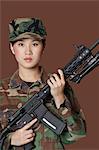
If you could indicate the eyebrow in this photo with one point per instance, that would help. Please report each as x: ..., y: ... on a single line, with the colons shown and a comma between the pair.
x: 27, y: 38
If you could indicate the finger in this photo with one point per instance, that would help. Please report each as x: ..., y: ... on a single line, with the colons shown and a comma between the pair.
x: 28, y: 140
x: 28, y: 125
x: 61, y: 75
x: 27, y: 132
x: 49, y: 83
x: 53, y: 81
x: 30, y: 135
x: 58, y: 80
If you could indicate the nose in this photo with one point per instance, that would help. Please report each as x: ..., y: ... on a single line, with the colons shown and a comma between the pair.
x: 28, y: 50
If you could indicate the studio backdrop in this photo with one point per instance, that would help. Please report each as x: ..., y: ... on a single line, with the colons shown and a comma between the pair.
x: 67, y: 23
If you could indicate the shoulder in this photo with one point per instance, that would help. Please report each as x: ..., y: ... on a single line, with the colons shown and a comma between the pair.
x: 4, y: 83
x: 4, y: 86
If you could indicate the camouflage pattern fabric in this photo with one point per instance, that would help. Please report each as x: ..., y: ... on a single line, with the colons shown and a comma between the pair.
x: 23, y: 27
x: 14, y: 93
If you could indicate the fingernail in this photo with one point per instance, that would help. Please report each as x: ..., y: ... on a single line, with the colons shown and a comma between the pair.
x: 35, y: 119
x: 59, y: 69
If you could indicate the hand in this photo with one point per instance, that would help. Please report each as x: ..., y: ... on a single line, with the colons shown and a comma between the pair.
x: 24, y: 135
x: 57, y: 84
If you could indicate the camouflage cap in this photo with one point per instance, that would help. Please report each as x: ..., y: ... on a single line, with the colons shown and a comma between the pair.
x: 24, y: 27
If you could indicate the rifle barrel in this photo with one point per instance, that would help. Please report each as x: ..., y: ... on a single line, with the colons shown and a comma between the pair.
x: 94, y: 45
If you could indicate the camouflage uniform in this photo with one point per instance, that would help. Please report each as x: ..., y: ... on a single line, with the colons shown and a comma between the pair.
x: 14, y: 93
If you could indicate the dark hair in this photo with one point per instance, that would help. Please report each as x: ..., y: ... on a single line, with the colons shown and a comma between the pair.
x: 33, y: 36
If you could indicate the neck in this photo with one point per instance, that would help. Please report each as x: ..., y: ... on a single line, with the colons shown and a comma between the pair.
x: 30, y: 75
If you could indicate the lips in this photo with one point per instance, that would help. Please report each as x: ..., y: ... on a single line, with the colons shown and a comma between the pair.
x: 28, y: 59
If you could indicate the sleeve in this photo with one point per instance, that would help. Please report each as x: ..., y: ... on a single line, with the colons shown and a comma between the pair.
x: 5, y: 144
x: 5, y: 141
x: 71, y: 112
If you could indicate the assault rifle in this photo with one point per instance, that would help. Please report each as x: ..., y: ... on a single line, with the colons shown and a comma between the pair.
x: 82, y: 63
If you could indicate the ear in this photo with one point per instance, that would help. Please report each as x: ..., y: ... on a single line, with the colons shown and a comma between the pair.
x: 11, y: 48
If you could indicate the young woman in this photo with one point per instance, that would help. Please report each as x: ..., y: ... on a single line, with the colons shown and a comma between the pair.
x: 27, y: 37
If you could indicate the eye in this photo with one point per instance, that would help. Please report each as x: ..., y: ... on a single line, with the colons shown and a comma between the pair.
x: 20, y: 44
x: 35, y: 44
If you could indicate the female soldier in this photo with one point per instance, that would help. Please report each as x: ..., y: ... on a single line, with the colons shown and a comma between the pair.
x: 27, y: 38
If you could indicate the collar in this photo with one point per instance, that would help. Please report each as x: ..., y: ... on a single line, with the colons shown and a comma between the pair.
x: 17, y: 82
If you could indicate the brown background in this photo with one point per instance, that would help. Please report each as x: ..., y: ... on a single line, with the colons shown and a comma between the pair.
x: 67, y: 23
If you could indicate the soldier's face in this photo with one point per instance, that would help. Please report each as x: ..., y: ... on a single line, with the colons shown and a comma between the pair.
x: 27, y: 52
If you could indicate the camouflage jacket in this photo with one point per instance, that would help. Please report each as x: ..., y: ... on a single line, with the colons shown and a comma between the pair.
x: 14, y: 93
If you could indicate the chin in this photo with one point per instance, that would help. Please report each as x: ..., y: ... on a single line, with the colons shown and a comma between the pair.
x: 30, y: 66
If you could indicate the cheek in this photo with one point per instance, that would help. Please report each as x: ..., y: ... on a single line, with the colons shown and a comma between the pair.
x: 17, y: 53
x: 39, y: 55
